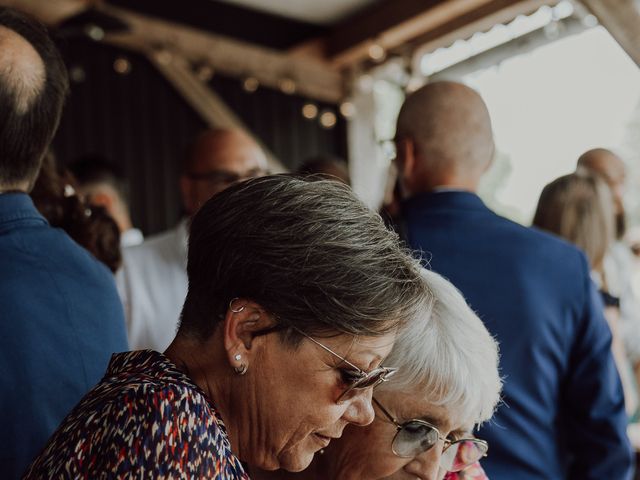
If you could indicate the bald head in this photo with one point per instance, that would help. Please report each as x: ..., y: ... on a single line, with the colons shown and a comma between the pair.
x: 605, y: 163
x: 33, y: 85
x: 611, y: 168
x: 218, y: 158
x: 444, y: 137
x: 21, y: 70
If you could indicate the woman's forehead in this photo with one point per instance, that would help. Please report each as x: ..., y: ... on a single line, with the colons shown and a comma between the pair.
x: 369, y: 350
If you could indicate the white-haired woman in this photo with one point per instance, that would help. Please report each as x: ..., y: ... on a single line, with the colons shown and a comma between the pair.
x: 447, y: 383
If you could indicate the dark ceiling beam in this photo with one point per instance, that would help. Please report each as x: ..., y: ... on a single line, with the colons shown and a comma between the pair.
x: 622, y: 19
x: 226, y: 19
x: 310, y: 77
x: 391, y: 24
x: 400, y: 26
x: 480, y: 19
x: 48, y: 12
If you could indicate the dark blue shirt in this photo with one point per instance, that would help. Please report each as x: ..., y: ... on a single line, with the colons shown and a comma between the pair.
x: 563, y: 414
x: 60, y: 321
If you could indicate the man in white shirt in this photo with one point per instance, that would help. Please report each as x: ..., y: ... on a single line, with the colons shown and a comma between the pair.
x: 153, y: 279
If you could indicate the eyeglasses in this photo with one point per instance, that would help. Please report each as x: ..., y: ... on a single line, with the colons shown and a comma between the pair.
x: 354, y: 377
x: 417, y: 436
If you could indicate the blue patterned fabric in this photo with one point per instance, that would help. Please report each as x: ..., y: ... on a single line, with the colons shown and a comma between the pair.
x: 145, y: 419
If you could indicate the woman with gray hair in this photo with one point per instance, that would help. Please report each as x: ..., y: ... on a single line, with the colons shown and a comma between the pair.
x: 296, y: 292
x: 447, y: 383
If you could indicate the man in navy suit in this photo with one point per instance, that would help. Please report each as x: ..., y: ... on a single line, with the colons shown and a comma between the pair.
x: 563, y: 413
x: 60, y: 316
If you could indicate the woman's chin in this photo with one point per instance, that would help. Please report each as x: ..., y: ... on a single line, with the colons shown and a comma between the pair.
x: 299, y: 459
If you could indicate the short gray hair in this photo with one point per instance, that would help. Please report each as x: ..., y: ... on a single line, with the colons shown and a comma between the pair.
x: 449, y: 354
x: 309, y: 252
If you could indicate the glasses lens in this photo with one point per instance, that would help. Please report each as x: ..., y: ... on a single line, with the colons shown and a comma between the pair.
x: 414, y: 438
x: 371, y: 379
x: 462, y: 453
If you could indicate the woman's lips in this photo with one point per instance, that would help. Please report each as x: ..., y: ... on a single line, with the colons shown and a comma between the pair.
x: 323, y: 440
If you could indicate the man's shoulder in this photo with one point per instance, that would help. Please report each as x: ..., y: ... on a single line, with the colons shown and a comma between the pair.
x: 52, y: 250
x: 532, y: 235
x: 497, y: 233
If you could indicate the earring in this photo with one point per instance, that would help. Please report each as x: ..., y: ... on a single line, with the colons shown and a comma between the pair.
x: 235, y: 310
x: 238, y: 357
x: 241, y: 370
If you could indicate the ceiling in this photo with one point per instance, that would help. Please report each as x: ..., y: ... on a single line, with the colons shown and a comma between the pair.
x: 319, y: 12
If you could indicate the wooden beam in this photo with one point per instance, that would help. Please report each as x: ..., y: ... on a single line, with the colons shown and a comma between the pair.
x: 479, y: 20
x: 391, y: 25
x: 622, y: 19
x: 313, y: 78
x: 50, y: 12
x: 407, y: 25
x: 204, y: 100
x: 519, y: 46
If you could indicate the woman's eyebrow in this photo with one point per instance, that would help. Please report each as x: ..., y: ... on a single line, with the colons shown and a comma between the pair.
x: 461, y: 433
x: 435, y: 420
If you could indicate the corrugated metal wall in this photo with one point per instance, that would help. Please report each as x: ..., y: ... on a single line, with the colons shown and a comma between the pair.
x: 139, y: 122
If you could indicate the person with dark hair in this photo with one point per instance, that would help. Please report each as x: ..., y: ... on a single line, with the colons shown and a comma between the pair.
x: 60, y: 319
x: 101, y: 184
x: 54, y: 195
x: 296, y: 294
x: 563, y: 415
x: 327, y: 167
x: 153, y: 279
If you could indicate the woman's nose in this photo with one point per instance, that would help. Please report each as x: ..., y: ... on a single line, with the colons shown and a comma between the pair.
x: 426, y: 466
x: 360, y: 410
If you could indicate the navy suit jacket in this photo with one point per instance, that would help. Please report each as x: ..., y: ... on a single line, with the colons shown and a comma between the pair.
x: 60, y: 321
x: 563, y: 413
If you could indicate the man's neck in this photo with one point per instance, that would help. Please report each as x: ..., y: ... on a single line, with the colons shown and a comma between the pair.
x: 21, y: 187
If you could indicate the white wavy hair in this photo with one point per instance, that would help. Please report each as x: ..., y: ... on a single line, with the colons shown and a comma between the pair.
x: 449, y: 355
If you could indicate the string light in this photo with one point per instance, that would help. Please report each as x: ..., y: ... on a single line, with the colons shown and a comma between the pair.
x: 309, y: 111
x: 250, y: 84
x: 347, y: 109
x: 204, y: 72
x: 287, y: 86
x: 328, y: 119
x: 376, y: 52
x: 163, y: 56
x: 122, y: 66
x: 94, y: 32
x: 77, y: 74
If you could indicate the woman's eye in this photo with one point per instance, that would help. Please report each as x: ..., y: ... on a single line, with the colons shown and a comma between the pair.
x: 349, y: 376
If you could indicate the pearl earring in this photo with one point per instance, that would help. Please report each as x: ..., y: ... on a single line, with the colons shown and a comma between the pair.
x: 238, y: 357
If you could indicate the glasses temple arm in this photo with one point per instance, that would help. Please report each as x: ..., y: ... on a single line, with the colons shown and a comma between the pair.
x: 324, y: 347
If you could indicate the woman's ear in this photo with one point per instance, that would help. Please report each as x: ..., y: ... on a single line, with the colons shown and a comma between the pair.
x: 242, y: 320
x: 406, y: 163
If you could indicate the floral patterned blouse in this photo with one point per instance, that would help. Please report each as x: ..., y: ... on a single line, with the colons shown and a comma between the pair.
x: 145, y: 419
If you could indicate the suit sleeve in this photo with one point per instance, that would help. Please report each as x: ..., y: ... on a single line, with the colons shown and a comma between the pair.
x: 594, y: 408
